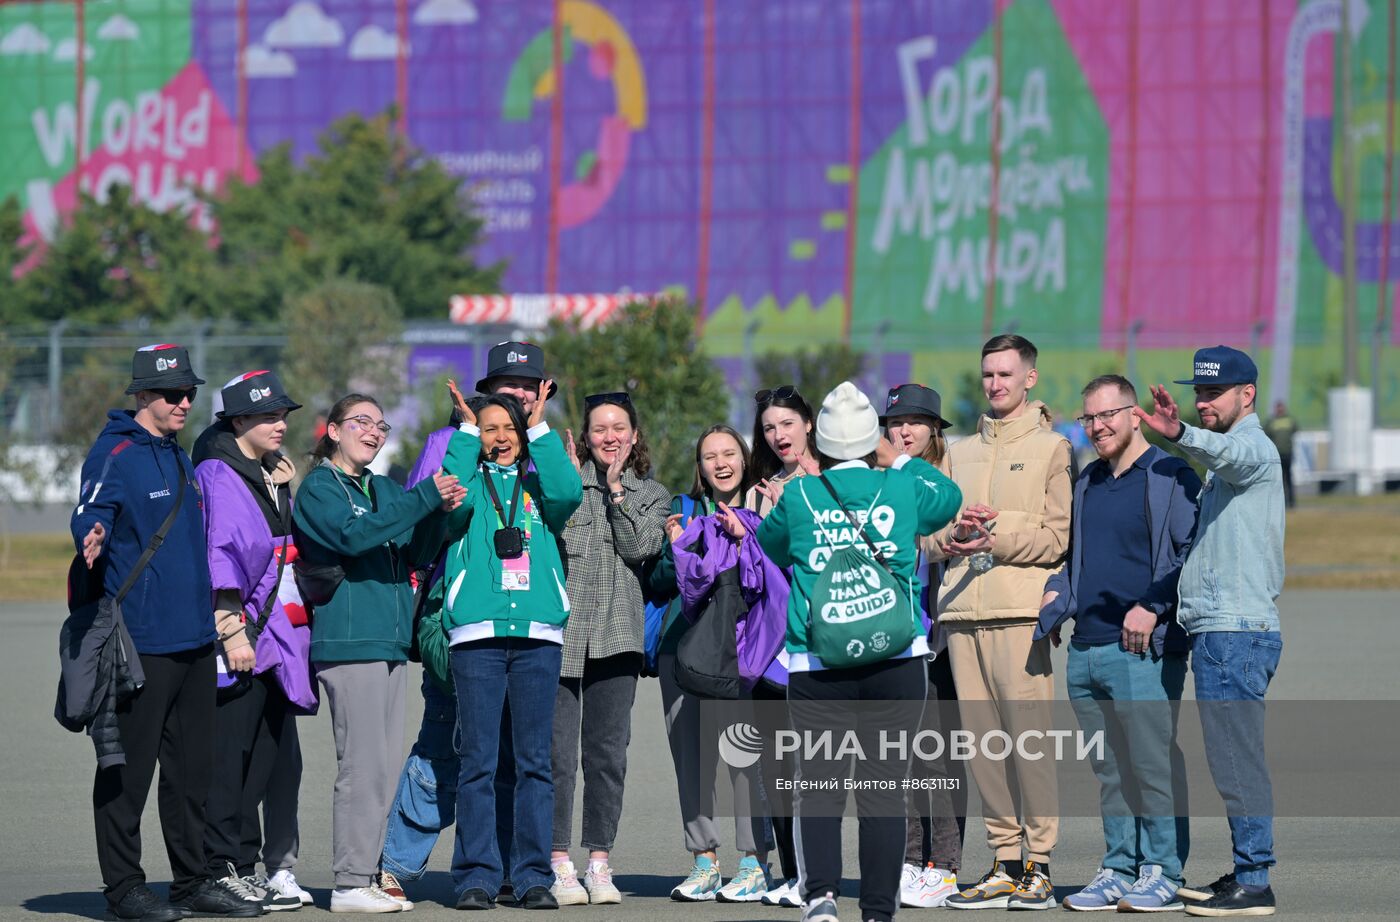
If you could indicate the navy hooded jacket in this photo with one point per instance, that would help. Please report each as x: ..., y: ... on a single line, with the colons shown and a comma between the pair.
x: 129, y: 483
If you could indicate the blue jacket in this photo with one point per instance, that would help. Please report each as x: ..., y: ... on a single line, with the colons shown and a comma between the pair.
x: 129, y: 483
x: 1235, y: 570
x: 1172, y: 490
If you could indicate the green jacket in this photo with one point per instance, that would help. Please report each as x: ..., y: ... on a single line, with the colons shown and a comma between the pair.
x: 911, y: 500
x: 477, y: 604
x: 378, y: 533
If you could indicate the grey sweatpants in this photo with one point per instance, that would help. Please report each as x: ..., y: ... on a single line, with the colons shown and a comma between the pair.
x: 697, y: 774
x: 367, y: 706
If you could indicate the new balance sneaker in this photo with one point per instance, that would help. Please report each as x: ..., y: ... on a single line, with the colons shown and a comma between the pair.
x: 567, y: 890
x: 1221, y: 884
x: 993, y: 891
x: 702, y: 884
x: 273, y: 900
x: 746, y: 886
x: 1103, y: 893
x: 820, y: 909
x: 142, y: 904
x: 1033, y: 890
x: 1151, y: 893
x: 227, y: 898
x: 285, y: 883
x: 363, y: 899
x: 599, y: 884
x: 785, y: 894
x: 390, y: 885
x: 929, y: 889
x: 1235, y: 900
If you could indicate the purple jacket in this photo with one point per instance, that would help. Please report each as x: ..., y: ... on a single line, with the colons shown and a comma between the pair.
x: 431, y: 457
x: 703, y: 552
x: 243, y: 556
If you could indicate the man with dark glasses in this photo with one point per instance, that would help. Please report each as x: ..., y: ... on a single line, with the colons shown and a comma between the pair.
x: 136, y: 479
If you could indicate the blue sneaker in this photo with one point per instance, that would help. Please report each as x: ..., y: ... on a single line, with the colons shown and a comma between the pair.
x: 747, y: 885
x: 1103, y: 893
x: 702, y: 885
x: 1151, y: 893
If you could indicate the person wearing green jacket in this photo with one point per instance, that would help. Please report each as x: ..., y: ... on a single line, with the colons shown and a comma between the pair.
x: 361, y: 635
x: 807, y: 528
x: 504, y: 613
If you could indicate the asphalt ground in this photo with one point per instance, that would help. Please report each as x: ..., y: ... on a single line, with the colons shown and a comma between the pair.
x: 1337, y: 646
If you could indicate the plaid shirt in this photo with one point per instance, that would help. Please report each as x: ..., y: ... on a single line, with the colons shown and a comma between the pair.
x: 605, y: 546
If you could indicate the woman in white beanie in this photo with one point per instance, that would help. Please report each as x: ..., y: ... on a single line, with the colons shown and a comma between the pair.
x: 850, y: 535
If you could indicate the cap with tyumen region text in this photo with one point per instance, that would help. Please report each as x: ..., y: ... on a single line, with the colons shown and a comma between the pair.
x: 1222, y: 365
x: 516, y: 360
x: 161, y: 367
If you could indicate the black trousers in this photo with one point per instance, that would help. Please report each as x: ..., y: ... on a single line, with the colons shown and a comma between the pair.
x: 873, y: 703
x: 249, y: 732
x: 170, y: 721
x: 770, y: 719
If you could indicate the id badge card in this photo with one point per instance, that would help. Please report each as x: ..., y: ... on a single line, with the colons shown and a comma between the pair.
x: 515, y: 574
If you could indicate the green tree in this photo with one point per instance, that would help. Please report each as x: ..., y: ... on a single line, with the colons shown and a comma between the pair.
x: 648, y: 349
x: 342, y: 336
x: 815, y: 370
x: 368, y: 207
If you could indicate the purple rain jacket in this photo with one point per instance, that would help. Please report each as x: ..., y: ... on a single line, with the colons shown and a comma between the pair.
x: 243, y: 556
x: 704, y: 551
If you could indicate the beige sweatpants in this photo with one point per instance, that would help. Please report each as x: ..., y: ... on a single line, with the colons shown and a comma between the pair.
x: 1005, y: 684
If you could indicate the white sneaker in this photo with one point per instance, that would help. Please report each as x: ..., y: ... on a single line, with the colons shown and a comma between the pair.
x: 567, y: 890
x: 747, y: 885
x: 701, y: 885
x: 599, y: 884
x: 273, y: 900
x: 820, y: 909
x: 930, y: 889
x: 909, y: 877
x: 784, y: 895
x: 393, y: 889
x: 363, y: 899
x: 285, y: 883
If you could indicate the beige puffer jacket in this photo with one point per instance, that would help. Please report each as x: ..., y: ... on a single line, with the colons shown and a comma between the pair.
x: 1021, y: 468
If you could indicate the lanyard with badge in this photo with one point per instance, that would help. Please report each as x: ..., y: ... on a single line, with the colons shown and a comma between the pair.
x: 511, y: 542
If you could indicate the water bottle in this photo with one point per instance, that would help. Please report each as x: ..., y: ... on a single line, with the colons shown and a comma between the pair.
x: 981, y: 561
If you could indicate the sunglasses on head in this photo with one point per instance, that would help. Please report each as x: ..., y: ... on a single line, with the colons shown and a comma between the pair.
x: 177, y: 397
x: 621, y: 398
x: 769, y: 394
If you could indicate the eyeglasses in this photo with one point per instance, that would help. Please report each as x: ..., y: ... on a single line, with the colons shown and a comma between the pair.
x: 365, y: 423
x: 1088, y: 420
x: 621, y: 398
x: 175, y: 398
x: 768, y: 395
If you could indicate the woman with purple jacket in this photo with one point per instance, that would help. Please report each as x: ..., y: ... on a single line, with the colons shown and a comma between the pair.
x: 264, y: 642
x: 700, y: 551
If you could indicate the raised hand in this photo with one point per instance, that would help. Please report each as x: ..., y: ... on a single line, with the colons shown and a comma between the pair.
x: 615, y: 469
x: 460, y: 403
x: 731, y: 523
x: 537, y: 414
x: 885, y: 453
x: 1165, y: 418
x: 571, y: 450
x: 772, y: 490
x: 92, y: 544
x: 673, y: 527
x: 808, y: 464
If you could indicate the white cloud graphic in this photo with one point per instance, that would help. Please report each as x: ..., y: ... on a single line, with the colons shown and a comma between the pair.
x: 374, y: 44
x: 119, y: 29
x: 304, y: 26
x: 67, y: 50
x: 445, y: 13
x: 261, y: 61
x: 26, y: 39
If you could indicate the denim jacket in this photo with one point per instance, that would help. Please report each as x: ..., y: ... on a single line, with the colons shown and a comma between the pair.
x: 1234, y: 572
x: 1172, y: 489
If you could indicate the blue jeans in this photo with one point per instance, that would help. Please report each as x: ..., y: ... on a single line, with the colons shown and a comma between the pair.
x: 1141, y: 761
x: 1233, y: 669
x: 426, y: 801
x: 488, y: 673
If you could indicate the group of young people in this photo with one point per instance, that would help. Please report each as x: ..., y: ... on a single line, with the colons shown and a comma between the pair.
x: 846, y: 568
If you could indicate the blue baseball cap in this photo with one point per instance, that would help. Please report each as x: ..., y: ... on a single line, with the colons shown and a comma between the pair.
x: 1222, y: 365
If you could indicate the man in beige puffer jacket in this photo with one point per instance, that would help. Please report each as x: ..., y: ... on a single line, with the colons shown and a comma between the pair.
x: 1015, y: 477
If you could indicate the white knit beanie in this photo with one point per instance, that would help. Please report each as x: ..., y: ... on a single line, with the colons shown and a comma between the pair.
x: 848, y: 426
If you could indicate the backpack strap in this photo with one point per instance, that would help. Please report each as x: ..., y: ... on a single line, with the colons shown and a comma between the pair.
x: 256, y: 628
x: 859, y: 526
x: 157, y: 539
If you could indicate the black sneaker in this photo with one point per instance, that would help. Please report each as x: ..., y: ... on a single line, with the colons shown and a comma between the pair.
x: 1235, y: 900
x: 538, y: 898
x: 820, y: 909
x: 221, y: 899
x: 475, y: 898
x: 142, y: 903
x: 1223, y: 883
